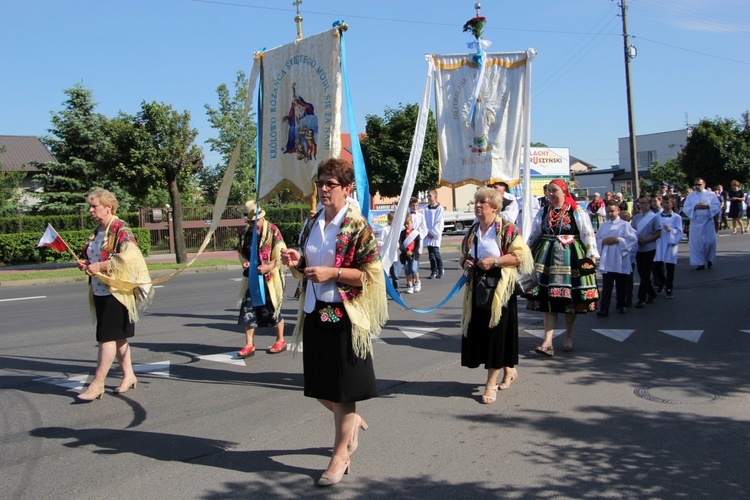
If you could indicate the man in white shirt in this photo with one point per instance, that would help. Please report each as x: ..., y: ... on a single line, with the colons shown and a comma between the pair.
x: 701, y: 206
x: 433, y: 216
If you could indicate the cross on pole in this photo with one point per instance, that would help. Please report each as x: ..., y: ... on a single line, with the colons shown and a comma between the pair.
x: 298, y: 19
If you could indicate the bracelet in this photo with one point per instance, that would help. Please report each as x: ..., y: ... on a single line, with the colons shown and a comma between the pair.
x: 338, y: 278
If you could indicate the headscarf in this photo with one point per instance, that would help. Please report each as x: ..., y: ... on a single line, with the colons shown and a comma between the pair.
x: 568, y: 198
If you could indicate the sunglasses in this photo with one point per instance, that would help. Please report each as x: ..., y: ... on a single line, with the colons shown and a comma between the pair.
x: 327, y: 184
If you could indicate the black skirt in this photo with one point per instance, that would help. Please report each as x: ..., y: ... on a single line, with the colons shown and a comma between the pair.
x: 331, y: 369
x: 112, y: 320
x: 494, y: 347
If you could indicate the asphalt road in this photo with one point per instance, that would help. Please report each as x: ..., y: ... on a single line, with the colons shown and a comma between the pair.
x: 651, y: 404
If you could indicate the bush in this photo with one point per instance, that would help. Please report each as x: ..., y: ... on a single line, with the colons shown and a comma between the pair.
x: 74, y: 222
x: 20, y: 248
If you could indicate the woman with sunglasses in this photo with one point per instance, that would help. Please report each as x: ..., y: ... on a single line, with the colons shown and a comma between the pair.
x: 343, y: 303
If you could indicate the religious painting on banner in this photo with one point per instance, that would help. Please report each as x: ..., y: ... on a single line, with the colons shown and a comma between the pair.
x: 480, y: 134
x: 301, y: 112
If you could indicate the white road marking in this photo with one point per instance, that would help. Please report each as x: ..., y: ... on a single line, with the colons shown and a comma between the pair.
x: 414, y: 331
x: 540, y: 333
x: 24, y: 298
x: 225, y: 357
x: 72, y: 383
x: 690, y: 335
x: 618, y: 335
x: 160, y: 369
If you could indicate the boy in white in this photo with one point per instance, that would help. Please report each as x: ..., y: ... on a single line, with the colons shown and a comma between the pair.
x: 614, y: 240
x: 668, y: 245
x: 380, y: 238
x: 433, y: 218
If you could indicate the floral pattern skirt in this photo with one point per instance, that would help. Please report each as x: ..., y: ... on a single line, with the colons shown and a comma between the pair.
x: 567, y: 281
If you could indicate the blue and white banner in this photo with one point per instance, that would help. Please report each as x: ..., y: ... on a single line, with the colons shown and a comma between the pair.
x: 301, y: 112
x: 480, y: 138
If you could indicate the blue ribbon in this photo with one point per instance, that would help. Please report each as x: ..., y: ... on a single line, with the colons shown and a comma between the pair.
x: 255, y: 281
x: 397, y: 298
x: 358, y: 160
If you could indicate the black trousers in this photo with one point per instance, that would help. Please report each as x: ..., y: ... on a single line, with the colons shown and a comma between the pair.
x: 610, y: 280
x: 436, y: 260
x: 644, y: 261
x: 661, y: 278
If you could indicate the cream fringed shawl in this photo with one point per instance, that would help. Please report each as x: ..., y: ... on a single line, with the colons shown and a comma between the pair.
x: 509, y: 240
x: 271, y: 245
x: 366, y: 305
x: 128, y: 279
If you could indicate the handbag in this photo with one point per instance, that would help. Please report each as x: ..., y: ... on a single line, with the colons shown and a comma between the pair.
x: 525, y: 283
x: 484, y: 291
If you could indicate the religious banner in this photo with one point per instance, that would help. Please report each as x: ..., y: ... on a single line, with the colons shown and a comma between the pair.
x: 300, y: 113
x: 480, y: 136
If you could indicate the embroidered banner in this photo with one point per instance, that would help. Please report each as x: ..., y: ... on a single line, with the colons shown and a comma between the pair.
x: 480, y: 140
x: 301, y: 112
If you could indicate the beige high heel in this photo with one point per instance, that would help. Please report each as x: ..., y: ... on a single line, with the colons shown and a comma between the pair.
x: 511, y: 377
x: 91, y: 393
x: 330, y: 479
x: 359, y: 424
x: 125, y: 386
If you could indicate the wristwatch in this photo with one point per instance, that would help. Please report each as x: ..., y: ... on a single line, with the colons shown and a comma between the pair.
x: 495, y: 265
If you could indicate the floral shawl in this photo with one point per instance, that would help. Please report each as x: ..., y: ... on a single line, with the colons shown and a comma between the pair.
x: 271, y: 243
x: 509, y: 240
x: 128, y: 278
x: 366, y: 305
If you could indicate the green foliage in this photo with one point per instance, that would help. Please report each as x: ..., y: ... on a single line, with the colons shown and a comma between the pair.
x: 76, y: 141
x: 670, y: 172
x: 719, y: 151
x: 10, y: 189
x: 20, y: 248
x: 387, y: 146
x: 228, y: 120
x: 36, y: 224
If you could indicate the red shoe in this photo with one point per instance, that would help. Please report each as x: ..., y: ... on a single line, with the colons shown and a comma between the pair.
x: 246, y: 352
x: 278, y: 347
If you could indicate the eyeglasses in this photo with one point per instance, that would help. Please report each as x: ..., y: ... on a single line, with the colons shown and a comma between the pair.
x: 482, y: 202
x: 328, y: 184
x: 698, y: 185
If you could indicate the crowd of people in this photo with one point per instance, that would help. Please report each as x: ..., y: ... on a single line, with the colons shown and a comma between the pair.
x: 343, y: 298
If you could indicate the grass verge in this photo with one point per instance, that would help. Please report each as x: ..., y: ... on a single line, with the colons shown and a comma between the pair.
x: 74, y: 272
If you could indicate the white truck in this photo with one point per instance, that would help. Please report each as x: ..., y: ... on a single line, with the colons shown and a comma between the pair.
x: 458, y: 221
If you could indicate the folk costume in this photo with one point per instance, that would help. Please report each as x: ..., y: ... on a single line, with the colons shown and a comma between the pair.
x: 564, y: 244
x: 116, y: 296
x: 270, y: 244
x: 615, y: 263
x: 336, y: 320
x: 596, y: 212
x: 490, y: 337
x: 702, y: 229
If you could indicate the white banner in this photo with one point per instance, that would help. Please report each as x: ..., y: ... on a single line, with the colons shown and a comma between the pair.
x: 480, y: 140
x: 301, y: 112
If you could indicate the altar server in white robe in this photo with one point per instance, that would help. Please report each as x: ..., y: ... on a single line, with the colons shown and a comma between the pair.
x: 615, y: 240
x: 668, y: 245
x: 701, y: 206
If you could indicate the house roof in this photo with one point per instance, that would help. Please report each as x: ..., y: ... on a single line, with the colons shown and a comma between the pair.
x: 574, y: 160
x: 22, y: 152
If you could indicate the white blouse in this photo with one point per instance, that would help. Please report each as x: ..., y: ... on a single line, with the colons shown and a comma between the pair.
x: 94, y: 254
x: 320, y: 250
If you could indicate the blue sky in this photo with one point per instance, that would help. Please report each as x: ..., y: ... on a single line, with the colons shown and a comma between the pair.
x: 693, y: 60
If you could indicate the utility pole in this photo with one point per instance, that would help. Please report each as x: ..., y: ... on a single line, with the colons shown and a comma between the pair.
x: 630, y: 53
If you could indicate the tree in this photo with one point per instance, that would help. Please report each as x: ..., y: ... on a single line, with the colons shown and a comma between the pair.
x: 387, y: 146
x: 10, y: 189
x: 670, y: 172
x: 164, y: 148
x: 76, y: 142
x: 228, y: 120
x: 719, y: 151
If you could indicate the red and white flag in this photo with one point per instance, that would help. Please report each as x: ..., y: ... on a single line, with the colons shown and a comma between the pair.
x: 50, y: 238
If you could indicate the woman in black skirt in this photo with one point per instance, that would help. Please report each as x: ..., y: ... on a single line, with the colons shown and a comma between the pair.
x: 344, y: 302
x: 493, y: 252
x: 114, y: 263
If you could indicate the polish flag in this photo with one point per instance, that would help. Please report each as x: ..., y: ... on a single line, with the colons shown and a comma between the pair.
x: 50, y: 238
